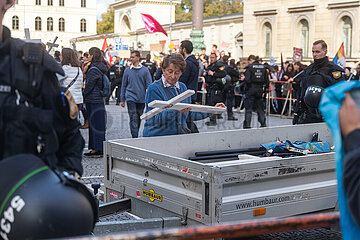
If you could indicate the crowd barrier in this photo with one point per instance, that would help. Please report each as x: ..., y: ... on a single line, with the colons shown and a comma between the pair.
x: 288, y: 100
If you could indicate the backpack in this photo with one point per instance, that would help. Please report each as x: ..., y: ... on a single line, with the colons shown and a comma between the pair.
x: 106, y: 90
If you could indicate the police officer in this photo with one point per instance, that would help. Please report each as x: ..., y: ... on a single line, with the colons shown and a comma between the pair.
x: 232, y: 70
x: 151, y: 66
x: 215, y: 81
x: 116, y: 73
x: 315, y: 78
x: 38, y: 121
x: 256, y: 84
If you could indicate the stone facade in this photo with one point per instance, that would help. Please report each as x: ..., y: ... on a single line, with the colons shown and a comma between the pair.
x: 26, y: 14
x: 224, y: 31
x: 273, y: 27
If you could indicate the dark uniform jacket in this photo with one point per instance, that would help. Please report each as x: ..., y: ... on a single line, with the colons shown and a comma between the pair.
x: 321, y: 73
x: 191, y: 75
x: 256, y: 77
x: 36, y: 116
x: 213, y: 82
x: 234, y: 73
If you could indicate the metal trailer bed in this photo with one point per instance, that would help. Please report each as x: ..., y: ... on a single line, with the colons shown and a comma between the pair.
x: 156, y: 176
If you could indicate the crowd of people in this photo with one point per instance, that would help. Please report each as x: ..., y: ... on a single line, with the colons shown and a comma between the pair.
x: 217, y: 75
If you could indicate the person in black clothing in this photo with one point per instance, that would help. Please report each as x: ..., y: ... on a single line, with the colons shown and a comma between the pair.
x: 190, y: 76
x: 234, y: 73
x: 315, y: 78
x: 151, y: 66
x: 116, y: 73
x: 349, y: 120
x: 256, y: 84
x: 214, y: 77
x: 39, y: 139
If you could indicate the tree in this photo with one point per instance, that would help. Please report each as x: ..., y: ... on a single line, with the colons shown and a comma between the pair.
x: 183, y: 11
x: 106, y: 25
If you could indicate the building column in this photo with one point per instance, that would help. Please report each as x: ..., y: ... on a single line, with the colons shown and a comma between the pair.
x: 197, y: 34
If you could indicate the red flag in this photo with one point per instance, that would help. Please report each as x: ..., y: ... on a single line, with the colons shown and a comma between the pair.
x: 151, y: 25
x: 105, y: 48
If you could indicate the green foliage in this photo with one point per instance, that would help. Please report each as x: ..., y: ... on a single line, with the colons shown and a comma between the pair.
x: 106, y: 25
x: 183, y: 11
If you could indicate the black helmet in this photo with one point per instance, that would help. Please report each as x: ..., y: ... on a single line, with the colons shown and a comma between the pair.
x: 313, y: 96
x: 38, y: 203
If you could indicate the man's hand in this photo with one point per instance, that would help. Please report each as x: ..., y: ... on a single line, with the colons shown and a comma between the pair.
x: 211, y: 73
x: 122, y: 104
x: 221, y: 105
x: 185, y: 110
x: 349, y: 116
x: 290, y: 80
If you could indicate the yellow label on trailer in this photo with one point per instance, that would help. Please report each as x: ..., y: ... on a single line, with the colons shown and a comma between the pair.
x: 152, y: 195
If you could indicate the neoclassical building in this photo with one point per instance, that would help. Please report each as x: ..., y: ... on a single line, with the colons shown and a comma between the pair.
x: 224, y: 31
x: 273, y: 27
x: 47, y: 19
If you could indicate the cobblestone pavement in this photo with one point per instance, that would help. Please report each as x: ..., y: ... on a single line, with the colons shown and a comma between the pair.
x: 118, y: 128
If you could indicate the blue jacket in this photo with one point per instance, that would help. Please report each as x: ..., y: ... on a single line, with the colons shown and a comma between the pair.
x: 134, y: 84
x: 191, y: 75
x: 94, y: 84
x: 164, y: 123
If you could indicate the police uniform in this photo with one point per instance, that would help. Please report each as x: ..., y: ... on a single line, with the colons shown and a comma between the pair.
x: 215, y: 85
x: 315, y: 78
x: 116, y: 73
x: 37, y: 117
x: 229, y: 87
x: 256, y: 84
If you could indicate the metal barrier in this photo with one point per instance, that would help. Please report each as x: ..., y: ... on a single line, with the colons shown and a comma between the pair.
x: 289, y: 98
x: 242, y: 229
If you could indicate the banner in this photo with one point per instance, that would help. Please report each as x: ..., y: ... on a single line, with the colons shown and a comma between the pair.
x: 105, y: 48
x: 298, y: 52
x: 151, y: 25
x: 339, y: 58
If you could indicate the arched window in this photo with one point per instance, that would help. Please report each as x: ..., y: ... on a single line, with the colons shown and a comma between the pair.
x: 268, y: 39
x: 61, y: 3
x: 50, y: 2
x: 82, y: 25
x: 50, y: 24
x: 83, y: 3
x: 304, y: 37
x: 347, y: 35
x: 15, y: 23
x: 38, y: 2
x: 61, y: 25
x: 38, y: 24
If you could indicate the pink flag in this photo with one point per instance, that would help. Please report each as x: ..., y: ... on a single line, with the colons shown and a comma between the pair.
x: 105, y: 48
x: 151, y: 25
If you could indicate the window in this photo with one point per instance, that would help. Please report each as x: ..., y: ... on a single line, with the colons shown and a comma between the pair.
x: 268, y: 43
x: 347, y: 35
x: 50, y: 2
x: 82, y: 25
x: 38, y: 2
x: 61, y: 3
x: 61, y: 25
x: 83, y: 3
x: 304, y: 37
x: 38, y: 24
x: 50, y: 24
x: 15, y: 23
